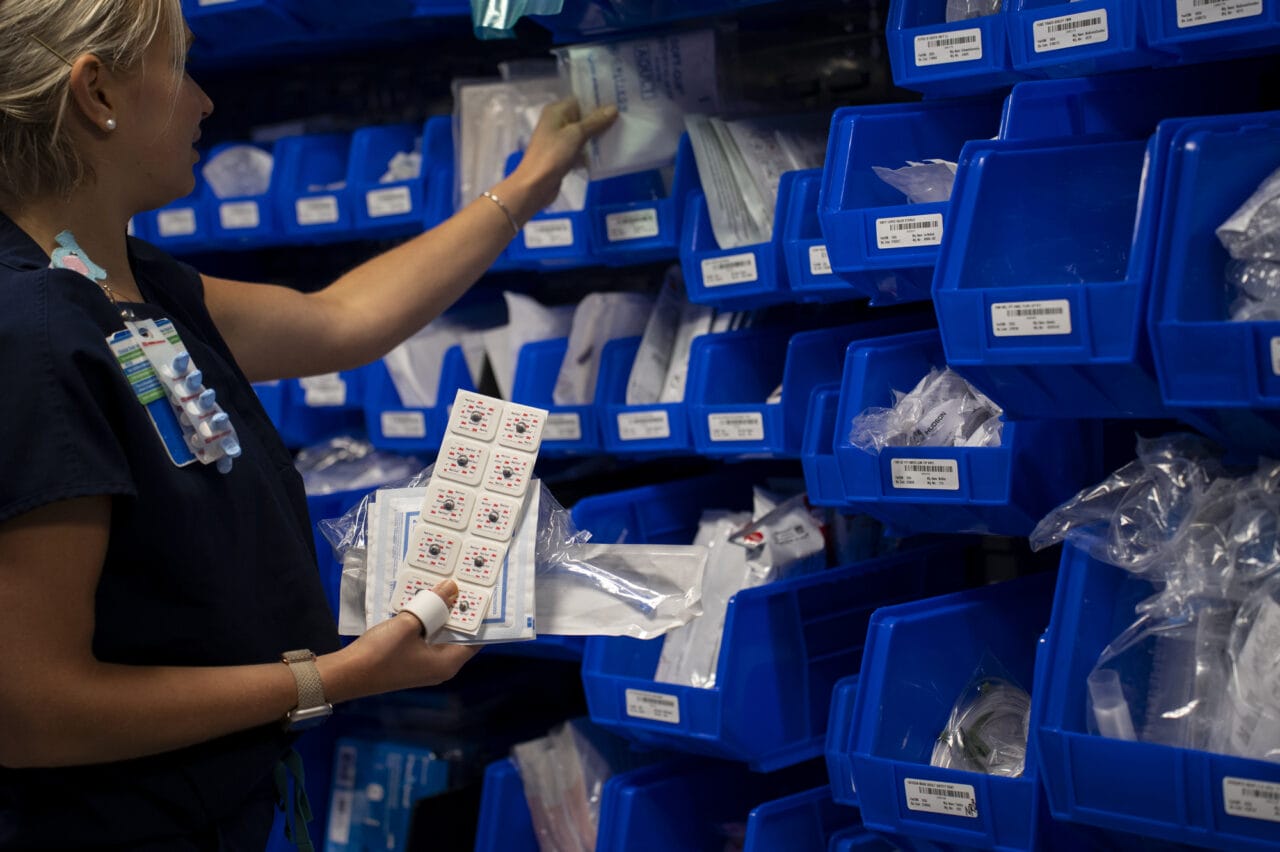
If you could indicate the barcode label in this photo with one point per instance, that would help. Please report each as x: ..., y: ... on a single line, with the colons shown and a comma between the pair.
x: 340, y: 817
x: 237, y: 215
x: 734, y: 269
x: 320, y: 210
x: 1197, y: 13
x: 927, y: 474
x: 404, y: 424
x: 653, y: 705
x: 1071, y: 31
x: 948, y: 47
x: 548, y: 233
x: 940, y: 797
x: 179, y: 222
x: 392, y: 201
x: 819, y: 260
x: 631, y: 225
x: 1275, y: 356
x: 743, y: 426
x: 1031, y: 319
x: 643, y: 425
x: 323, y: 391
x: 909, y: 231
x: 1243, y: 797
x: 562, y: 427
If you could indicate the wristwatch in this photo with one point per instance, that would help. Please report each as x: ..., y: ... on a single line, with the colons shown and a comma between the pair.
x: 312, y: 709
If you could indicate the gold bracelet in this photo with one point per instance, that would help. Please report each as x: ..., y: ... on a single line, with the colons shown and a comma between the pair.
x: 515, y: 229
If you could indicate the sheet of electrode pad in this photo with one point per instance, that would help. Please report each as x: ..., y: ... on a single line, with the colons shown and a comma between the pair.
x: 467, y: 524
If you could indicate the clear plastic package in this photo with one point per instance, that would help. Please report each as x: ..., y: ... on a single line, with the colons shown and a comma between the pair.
x: 987, y: 729
x: 563, y: 777
x: 921, y: 183
x: 345, y: 463
x: 943, y: 410
x: 963, y: 10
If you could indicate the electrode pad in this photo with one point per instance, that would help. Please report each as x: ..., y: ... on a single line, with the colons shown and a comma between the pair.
x: 473, y: 504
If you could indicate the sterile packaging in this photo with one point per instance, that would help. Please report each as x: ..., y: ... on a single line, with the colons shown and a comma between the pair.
x: 239, y: 170
x: 942, y: 410
x: 987, y: 729
x: 695, y: 320
x: 963, y: 10
x: 376, y: 784
x: 653, y: 82
x: 922, y: 183
x: 599, y: 318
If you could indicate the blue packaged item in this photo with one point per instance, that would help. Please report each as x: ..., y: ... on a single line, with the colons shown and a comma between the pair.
x: 393, y: 208
x: 1176, y: 794
x: 653, y: 428
x: 804, y: 249
x: 1068, y: 38
x: 929, y: 55
x: 1204, y: 360
x: 636, y: 218
x: 903, y: 703
x: 876, y: 240
x: 1210, y: 30
x: 569, y: 429
x: 181, y: 226
x: 505, y: 824
x: 311, y: 196
x: 806, y: 820
x: 375, y: 786
x: 1003, y: 489
x: 746, y: 277
x: 393, y: 426
x: 246, y: 221
x: 785, y: 644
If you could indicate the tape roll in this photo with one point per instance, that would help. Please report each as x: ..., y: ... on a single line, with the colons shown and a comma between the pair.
x: 430, y: 609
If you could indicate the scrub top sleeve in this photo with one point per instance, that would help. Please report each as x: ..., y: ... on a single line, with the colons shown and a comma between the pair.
x: 64, y: 401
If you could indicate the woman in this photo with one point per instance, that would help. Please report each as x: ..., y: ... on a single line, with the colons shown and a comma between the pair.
x: 145, y: 606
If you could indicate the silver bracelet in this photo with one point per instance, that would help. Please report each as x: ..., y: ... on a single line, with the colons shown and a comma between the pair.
x: 515, y: 229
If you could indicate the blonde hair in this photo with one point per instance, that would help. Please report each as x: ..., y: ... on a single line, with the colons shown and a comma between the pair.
x: 42, y: 37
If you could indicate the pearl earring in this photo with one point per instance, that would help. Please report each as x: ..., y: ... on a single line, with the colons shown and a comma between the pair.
x: 111, y: 124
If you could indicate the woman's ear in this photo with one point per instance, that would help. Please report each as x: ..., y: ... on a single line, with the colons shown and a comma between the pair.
x: 93, y: 92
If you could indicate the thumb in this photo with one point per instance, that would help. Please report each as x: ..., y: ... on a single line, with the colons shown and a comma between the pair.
x: 598, y: 120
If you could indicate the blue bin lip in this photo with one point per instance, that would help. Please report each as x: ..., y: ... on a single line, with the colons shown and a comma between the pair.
x: 981, y: 74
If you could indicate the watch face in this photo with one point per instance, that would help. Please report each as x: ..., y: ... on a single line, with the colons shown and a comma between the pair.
x: 301, y: 720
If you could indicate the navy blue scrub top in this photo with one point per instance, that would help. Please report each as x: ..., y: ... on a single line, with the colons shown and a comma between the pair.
x: 202, y: 568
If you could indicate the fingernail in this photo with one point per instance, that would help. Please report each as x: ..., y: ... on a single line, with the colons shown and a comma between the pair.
x: 447, y: 589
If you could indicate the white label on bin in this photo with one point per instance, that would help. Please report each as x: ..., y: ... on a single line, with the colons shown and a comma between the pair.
x: 929, y: 474
x: 1196, y: 13
x: 562, y: 427
x: 1275, y: 355
x: 819, y: 260
x: 176, y: 223
x: 548, y: 233
x: 941, y: 797
x: 340, y: 817
x: 320, y: 210
x: 948, y: 47
x: 324, y: 391
x: 235, y: 215
x: 631, y: 225
x: 404, y: 424
x: 1071, y: 30
x: 392, y: 201
x: 1243, y: 797
x: 1031, y: 319
x: 643, y: 425
x: 909, y: 231
x: 739, y: 426
x: 733, y: 269
x: 653, y: 705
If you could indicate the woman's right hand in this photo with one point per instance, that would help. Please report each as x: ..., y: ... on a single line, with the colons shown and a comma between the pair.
x: 556, y: 147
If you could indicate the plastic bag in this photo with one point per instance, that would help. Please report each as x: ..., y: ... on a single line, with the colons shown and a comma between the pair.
x: 1254, y: 687
x: 963, y: 10
x: 239, y: 170
x: 1252, y: 232
x: 492, y: 19
x: 563, y: 777
x: 344, y: 463
x: 943, y: 410
x: 922, y: 182
x: 987, y: 729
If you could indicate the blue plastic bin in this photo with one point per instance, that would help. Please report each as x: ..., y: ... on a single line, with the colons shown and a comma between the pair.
x: 736, y: 371
x: 182, y: 226
x: 660, y: 514
x: 817, y: 455
x: 1066, y: 39
x: 742, y: 278
x: 553, y: 240
x: 805, y: 820
x: 876, y: 240
x: 1204, y: 360
x: 1155, y: 790
x: 805, y: 250
x: 904, y: 696
x: 308, y: 411
x: 1004, y: 490
x: 929, y: 55
x: 1210, y: 30
x: 1042, y: 284
x: 636, y: 218
x: 785, y: 644
x: 246, y: 221
x: 395, y: 208
x: 570, y: 429
x: 660, y: 428
x: 505, y: 824
x: 393, y: 426
x: 311, y: 196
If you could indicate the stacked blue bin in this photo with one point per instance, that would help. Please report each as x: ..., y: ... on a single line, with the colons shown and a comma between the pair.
x: 311, y: 197
x: 1067, y: 38
x: 804, y: 248
x: 883, y: 246
x: 929, y: 55
x: 247, y: 221
x: 569, y: 429
x: 660, y: 428
x: 306, y: 411
x: 395, y: 427
x: 397, y: 207
x: 637, y: 218
x: 1193, y: 31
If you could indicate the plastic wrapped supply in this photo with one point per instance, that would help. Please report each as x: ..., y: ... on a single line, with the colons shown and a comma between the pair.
x: 344, y: 463
x: 404, y: 165
x: 653, y: 82
x: 1252, y: 237
x: 921, y: 183
x: 497, y: 18
x: 238, y: 171
x: 599, y: 318
x: 943, y: 410
x: 563, y: 776
x: 987, y: 729
x: 963, y: 10
x: 1254, y: 688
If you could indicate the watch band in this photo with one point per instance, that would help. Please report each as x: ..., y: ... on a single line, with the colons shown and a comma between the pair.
x: 302, y: 664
